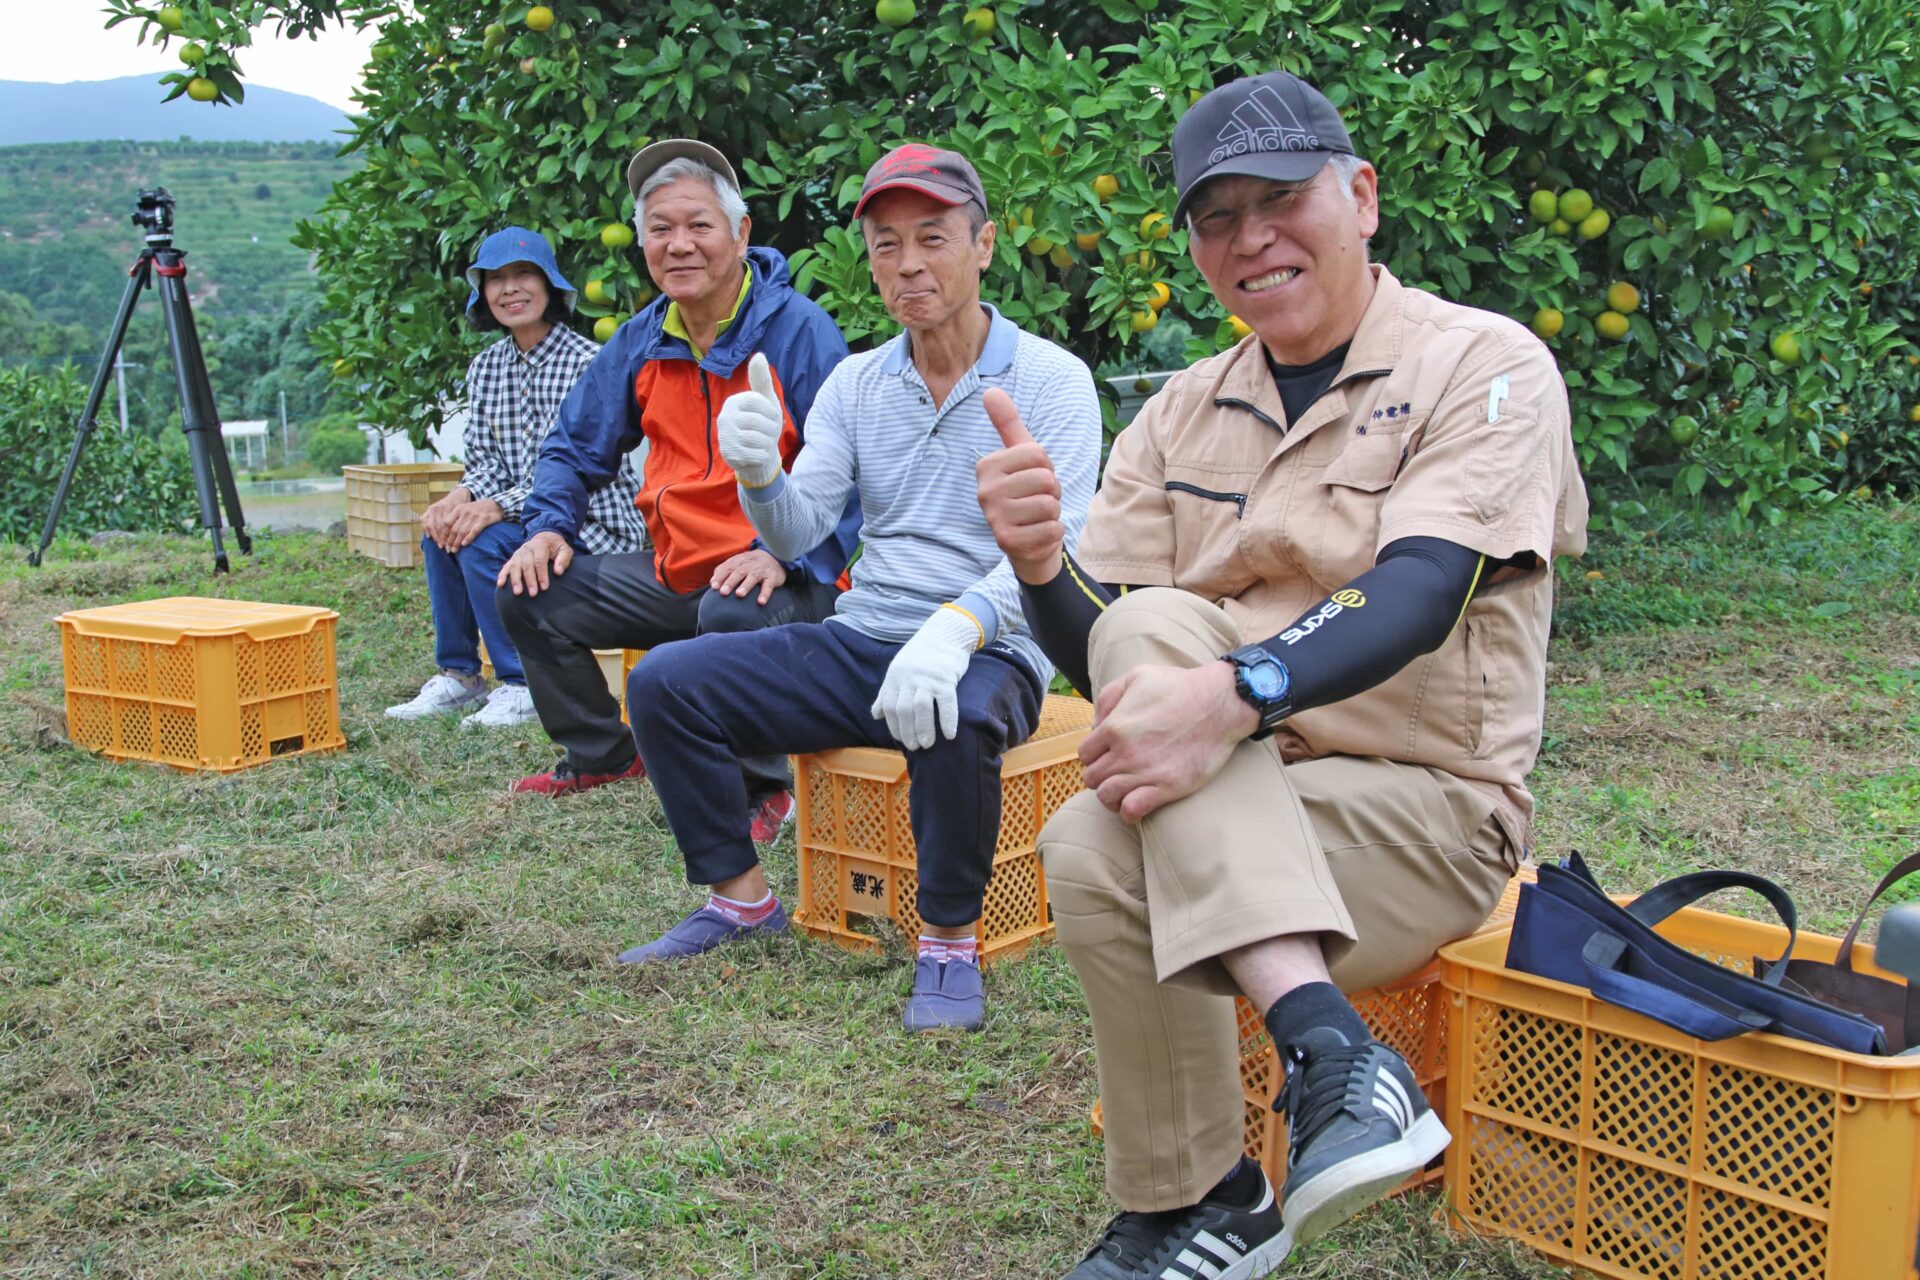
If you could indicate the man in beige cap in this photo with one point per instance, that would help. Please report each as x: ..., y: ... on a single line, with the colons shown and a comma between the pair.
x: 1312, y: 596
x: 662, y: 378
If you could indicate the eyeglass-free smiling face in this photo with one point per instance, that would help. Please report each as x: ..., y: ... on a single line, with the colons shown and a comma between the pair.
x: 1289, y: 258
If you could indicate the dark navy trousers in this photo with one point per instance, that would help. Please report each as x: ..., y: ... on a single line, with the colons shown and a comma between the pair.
x: 700, y: 705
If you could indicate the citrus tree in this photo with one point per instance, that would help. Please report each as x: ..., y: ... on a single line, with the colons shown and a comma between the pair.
x: 1708, y: 210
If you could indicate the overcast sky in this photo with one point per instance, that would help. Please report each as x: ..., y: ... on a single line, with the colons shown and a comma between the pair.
x: 58, y: 41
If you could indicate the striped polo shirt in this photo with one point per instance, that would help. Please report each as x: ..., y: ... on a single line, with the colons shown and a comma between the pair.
x: 874, y: 426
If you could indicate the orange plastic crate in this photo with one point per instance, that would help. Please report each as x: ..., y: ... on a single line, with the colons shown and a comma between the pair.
x: 856, y: 844
x: 1408, y: 1015
x: 1627, y: 1149
x: 201, y: 684
x: 384, y: 503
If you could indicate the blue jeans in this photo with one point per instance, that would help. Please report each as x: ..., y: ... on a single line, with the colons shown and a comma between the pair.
x: 698, y: 706
x: 460, y: 587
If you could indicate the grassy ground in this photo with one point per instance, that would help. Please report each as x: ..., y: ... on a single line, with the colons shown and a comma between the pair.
x: 355, y: 1014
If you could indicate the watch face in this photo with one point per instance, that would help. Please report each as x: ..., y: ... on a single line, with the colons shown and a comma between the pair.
x: 1267, y: 680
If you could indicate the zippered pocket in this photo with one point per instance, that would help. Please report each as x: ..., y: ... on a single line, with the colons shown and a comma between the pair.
x: 1239, y: 500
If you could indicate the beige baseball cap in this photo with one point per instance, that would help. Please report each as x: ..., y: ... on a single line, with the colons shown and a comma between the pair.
x: 654, y: 155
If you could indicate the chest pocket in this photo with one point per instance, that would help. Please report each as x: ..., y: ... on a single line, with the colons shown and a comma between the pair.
x: 1209, y: 510
x: 1352, y: 493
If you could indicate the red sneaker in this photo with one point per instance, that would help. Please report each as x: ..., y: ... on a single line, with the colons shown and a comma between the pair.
x: 771, y: 816
x: 564, y: 781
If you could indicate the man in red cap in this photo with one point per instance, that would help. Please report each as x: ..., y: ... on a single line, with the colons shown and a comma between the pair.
x: 928, y: 650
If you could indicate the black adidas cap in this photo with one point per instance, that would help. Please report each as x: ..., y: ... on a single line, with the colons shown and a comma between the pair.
x: 1269, y: 126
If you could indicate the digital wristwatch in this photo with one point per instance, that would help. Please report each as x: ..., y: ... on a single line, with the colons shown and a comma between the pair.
x: 1265, y: 683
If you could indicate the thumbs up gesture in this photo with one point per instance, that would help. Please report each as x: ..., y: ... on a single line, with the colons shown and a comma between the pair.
x: 749, y: 427
x: 1020, y: 495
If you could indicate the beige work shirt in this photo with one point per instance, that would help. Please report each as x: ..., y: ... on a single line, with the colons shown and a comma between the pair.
x: 1445, y: 422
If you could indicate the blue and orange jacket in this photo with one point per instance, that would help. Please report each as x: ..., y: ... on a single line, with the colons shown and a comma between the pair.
x: 645, y: 383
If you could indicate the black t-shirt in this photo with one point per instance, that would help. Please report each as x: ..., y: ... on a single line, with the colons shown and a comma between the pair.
x: 1301, y: 384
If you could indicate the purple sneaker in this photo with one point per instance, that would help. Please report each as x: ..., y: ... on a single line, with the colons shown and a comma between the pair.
x: 945, y: 995
x: 700, y: 932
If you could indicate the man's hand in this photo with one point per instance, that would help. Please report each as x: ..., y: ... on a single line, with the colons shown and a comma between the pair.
x: 749, y: 427
x: 533, y: 567
x: 924, y: 678
x: 433, y: 521
x: 466, y: 522
x: 737, y: 575
x: 1020, y: 496
x: 1162, y: 733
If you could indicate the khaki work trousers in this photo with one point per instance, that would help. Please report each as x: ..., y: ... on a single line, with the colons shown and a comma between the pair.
x: 1385, y: 861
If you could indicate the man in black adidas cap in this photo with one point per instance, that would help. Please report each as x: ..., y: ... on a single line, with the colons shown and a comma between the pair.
x: 1311, y: 597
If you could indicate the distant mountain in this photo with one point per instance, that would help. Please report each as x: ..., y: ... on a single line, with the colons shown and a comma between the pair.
x: 130, y: 108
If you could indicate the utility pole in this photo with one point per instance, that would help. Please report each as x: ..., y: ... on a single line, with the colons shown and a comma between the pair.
x: 285, y: 446
x: 120, y: 367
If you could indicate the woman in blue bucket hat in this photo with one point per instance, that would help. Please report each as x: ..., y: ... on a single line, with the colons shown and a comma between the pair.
x: 513, y: 390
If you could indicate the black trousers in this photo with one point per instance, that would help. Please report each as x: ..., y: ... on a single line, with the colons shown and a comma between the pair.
x: 700, y: 705
x: 617, y: 602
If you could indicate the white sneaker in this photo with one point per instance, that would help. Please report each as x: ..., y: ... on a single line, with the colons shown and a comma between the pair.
x: 507, y: 704
x: 442, y: 693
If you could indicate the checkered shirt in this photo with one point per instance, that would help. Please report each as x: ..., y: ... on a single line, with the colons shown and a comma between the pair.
x: 513, y: 398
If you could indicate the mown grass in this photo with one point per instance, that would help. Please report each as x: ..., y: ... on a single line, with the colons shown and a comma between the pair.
x: 355, y: 1014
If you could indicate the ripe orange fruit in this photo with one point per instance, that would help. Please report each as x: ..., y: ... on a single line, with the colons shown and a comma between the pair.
x: 1594, y: 225
x: 1158, y: 294
x: 1913, y: 414
x: 1623, y: 297
x: 526, y: 66
x: 539, y: 18
x: 1612, y: 326
x: 604, y: 327
x: 1060, y: 257
x: 1086, y: 240
x: 1155, y: 227
x: 616, y: 235
x: 1039, y: 246
x: 596, y: 291
x: 343, y: 368
x: 1144, y: 320
x: 1106, y: 187
x: 201, y: 89
x: 1240, y: 327
x: 1548, y: 322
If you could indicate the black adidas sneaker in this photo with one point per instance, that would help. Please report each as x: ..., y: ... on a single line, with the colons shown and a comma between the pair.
x: 1207, y: 1241
x: 1357, y: 1126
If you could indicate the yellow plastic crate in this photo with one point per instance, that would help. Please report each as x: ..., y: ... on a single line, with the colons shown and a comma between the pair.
x: 1409, y: 1015
x: 614, y: 665
x: 384, y: 503
x: 856, y: 843
x: 1610, y: 1142
x: 201, y: 684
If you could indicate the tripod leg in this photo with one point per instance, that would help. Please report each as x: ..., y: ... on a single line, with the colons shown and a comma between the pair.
x: 137, y: 279
x: 199, y: 418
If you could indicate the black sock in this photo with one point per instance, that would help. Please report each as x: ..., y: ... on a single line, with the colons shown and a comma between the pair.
x: 1316, y: 1004
x: 1241, y: 1188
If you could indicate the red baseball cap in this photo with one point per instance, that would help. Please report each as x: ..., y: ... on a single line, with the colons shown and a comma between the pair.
x: 944, y: 175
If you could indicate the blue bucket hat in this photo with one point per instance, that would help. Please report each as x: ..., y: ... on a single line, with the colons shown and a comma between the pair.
x: 516, y: 244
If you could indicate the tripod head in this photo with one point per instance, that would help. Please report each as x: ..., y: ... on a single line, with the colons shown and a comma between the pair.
x: 153, y: 209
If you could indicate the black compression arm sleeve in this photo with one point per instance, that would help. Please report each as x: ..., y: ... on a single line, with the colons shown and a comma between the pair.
x: 1364, y: 633
x: 1061, y: 615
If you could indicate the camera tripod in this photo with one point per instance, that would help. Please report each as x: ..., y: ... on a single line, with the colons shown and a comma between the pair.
x: 212, y: 476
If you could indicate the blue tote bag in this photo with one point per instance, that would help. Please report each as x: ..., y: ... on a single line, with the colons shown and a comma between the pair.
x: 1566, y: 928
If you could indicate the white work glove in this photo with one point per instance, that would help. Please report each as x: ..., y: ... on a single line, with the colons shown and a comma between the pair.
x: 749, y: 428
x: 924, y: 677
